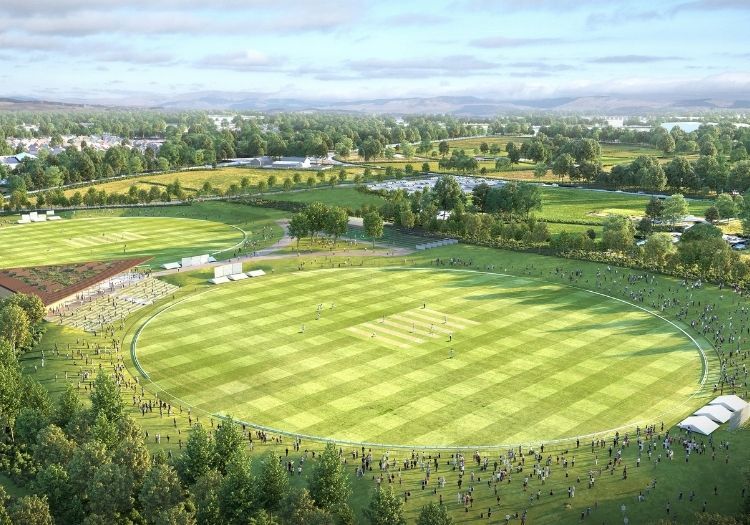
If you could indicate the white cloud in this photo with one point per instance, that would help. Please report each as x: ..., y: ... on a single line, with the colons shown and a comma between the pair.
x: 633, y: 59
x: 248, y: 60
x: 82, y: 18
x: 419, y: 67
x: 504, y: 41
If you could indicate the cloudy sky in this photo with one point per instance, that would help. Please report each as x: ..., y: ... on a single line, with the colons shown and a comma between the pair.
x: 353, y: 49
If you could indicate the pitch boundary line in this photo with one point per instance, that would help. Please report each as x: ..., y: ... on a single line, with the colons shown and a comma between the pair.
x: 633, y: 425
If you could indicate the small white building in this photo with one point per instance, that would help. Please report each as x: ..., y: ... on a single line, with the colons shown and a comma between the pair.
x: 292, y: 163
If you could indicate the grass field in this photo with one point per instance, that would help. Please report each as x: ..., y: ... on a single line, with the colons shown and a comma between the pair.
x: 565, y: 204
x: 219, y: 178
x: 533, y: 361
x: 700, y: 474
x: 81, y: 239
x: 558, y: 204
x: 166, y: 233
x: 346, y: 196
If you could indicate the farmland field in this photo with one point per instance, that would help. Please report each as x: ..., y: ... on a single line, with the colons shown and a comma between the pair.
x: 440, y: 358
x: 193, y: 180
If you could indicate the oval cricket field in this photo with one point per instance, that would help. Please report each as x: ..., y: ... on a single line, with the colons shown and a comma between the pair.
x: 103, y: 238
x: 430, y: 358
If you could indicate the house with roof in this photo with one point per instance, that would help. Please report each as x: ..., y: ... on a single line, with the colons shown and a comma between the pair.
x: 290, y: 163
x: 11, y: 161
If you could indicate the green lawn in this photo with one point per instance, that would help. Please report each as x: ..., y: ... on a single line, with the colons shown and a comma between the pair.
x: 85, y: 239
x: 566, y: 204
x: 611, y: 491
x: 346, y: 196
x: 554, y: 364
x: 166, y: 233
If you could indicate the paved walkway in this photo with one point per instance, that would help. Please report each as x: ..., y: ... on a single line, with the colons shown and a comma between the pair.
x: 269, y: 254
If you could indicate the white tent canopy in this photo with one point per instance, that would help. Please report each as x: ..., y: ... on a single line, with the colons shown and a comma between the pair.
x: 717, y: 413
x: 732, y: 403
x: 699, y: 424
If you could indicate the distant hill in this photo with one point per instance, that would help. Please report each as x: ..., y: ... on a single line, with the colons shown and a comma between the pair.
x: 468, y: 106
x: 29, y: 104
x: 454, y: 105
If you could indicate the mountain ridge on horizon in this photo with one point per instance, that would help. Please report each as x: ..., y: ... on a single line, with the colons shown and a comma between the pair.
x: 458, y: 105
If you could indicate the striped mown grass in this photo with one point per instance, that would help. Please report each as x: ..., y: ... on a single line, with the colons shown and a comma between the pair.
x: 420, y: 357
x: 103, y: 238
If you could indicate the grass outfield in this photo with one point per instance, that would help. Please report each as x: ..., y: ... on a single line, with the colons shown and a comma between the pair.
x: 86, y: 239
x: 700, y: 474
x: 533, y: 361
x: 167, y: 233
x: 346, y: 196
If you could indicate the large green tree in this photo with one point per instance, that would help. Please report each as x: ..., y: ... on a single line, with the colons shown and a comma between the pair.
x: 725, y: 205
x: 31, y: 304
x: 105, y: 398
x: 198, y: 455
x: 434, y: 514
x: 205, y: 496
x: 228, y: 444
x: 336, y: 222
x: 15, y: 327
x: 316, y: 214
x: 329, y: 482
x: 618, y: 233
x: 111, y: 491
x: 52, y: 481
x: 298, y: 227
x: 448, y: 192
x: 680, y: 174
x: 675, y: 209
x: 273, y: 483
x: 563, y: 165
x: 160, y: 492
x: 658, y: 248
x: 385, y: 508
x: 299, y: 507
x: 237, y: 492
x: 4, y: 516
x: 31, y: 510
x: 373, y: 225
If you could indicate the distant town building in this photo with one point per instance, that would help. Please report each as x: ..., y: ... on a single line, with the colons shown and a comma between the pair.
x: 11, y: 161
x: 291, y: 163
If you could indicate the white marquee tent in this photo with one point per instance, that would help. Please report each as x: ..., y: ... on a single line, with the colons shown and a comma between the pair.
x: 732, y: 403
x: 717, y: 413
x: 699, y: 424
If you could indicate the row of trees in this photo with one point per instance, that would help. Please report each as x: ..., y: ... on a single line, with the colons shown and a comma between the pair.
x: 156, y: 192
x: 192, y: 138
x: 333, y: 221
x: 421, y: 208
x: 706, y: 173
x: 503, y: 216
x: 319, y: 218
